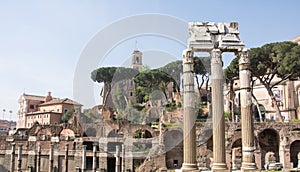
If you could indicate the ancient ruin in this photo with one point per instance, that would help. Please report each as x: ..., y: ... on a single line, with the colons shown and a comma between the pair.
x: 216, y: 38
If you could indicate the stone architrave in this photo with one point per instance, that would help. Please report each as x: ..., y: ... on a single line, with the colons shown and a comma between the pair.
x: 248, y: 159
x: 189, y: 117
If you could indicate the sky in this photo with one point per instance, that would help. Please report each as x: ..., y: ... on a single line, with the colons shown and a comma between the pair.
x: 44, y: 44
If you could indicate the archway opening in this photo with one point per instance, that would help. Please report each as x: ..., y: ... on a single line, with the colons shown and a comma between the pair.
x: 268, y: 142
x: 236, y: 154
x: 259, y: 113
x: 142, y: 133
x: 295, y: 152
x: 114, y: 133
x: 173, y: 141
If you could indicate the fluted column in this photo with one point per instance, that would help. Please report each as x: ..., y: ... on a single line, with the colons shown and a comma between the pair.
x: 219, y: 157
x: 38, y: 162
x: 118, y: 167
x: 94, y: 157
x: 12, y: 157
x: 248, y: 159
x: 123, y: 157
x: 51, y: 158
x: 83, y: 158
x: 66, y: 157
x: 19, y: 168
x: 189, y: 116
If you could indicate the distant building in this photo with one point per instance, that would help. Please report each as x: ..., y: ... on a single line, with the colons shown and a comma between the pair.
x: 7, y: 127
x: 43, y: 109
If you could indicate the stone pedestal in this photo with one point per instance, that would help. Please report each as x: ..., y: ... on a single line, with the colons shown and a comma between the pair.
x: 189, y: 116
x: 219, y: 159
x: 248, y: 160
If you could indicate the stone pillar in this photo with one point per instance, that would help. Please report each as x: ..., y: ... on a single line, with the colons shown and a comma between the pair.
x: 94, y: 157
x: 123, y: 157
x: 19, y: 168
x: 12, y: 158
x: 66, y: 157
x: 189, y: 116
x: 248, y: 159
x: 118, y: 165
x: 51, y: 158
x: 38, y: 162
x: 219, y: 160
x: 83, y: 158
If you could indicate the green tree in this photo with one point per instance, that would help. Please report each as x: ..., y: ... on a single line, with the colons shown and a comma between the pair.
x: 174, y: 69
x: 202, y: 70
x: 148, y: 81
x: 111, y: 75
x: 66, y: 116
x: 279, y: 60
x: 231, y: 74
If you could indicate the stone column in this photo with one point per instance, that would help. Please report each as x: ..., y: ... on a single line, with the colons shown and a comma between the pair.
x: 189, y: 116
x: 19, y: 168
x: 248, y: 159
x: 38, y: 162
x: 123, y: 157
x: 219, y: 160
x: 51, y: 158
x: 66, y: 157
x: 94, y: 157
x: 83, y: 158
x: 118, y: 166
x: 12, y: 158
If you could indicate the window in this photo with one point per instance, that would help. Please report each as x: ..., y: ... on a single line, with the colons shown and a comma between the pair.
x: 31, y: 106
x: 65, y: 110
x: 137, y: 60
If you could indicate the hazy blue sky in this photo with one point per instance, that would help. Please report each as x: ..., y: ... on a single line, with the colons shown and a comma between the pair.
x: 41, y: 41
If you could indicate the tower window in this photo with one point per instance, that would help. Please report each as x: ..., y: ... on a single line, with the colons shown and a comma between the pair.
x: 137, y: 60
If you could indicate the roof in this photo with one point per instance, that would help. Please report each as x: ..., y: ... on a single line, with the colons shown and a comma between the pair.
x: 296, y: 39
x: 34, y: 97
x: 42, y: 112
x: 61, y: 101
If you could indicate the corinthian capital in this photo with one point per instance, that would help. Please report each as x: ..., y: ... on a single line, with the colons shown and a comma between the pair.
x: 187, y: 56
x: 243, y: 56
x: 216, y: 56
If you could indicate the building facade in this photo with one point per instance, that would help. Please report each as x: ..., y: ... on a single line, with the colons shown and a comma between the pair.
x: 43, y: 109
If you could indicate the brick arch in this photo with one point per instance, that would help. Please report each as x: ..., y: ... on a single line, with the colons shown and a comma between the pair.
x: 294, y: 152
x: 134, y: 127
x: 268, y: 141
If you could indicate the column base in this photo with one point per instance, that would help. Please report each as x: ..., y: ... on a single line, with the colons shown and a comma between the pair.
x: 219, y: 167
x: 249, y: 167
x: 189, y: 167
